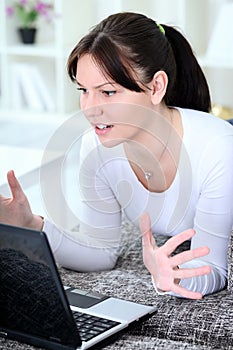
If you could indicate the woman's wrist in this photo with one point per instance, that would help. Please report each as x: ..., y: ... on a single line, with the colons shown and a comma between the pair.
x: 158, y: 291
x: 37, y: 223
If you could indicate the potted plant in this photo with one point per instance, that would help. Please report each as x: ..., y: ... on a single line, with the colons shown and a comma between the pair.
x: 28, y: 13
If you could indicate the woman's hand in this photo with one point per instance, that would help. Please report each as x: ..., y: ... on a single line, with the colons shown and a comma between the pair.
x: 164, y: 267
x: 16, y: 210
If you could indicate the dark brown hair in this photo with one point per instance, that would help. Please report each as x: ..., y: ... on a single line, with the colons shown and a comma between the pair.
x: 130, y: 47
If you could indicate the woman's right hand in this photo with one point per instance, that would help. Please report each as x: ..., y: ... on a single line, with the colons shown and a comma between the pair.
x: 16, y: 210
x: 164, y: 267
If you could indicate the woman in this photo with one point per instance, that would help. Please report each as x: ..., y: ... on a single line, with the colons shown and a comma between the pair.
x: 154, y: 151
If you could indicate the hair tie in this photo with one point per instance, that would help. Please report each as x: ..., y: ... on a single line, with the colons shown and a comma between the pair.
x: 162, y: 30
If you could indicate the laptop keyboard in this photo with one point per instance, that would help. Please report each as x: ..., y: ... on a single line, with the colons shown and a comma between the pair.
x: 90, y: 326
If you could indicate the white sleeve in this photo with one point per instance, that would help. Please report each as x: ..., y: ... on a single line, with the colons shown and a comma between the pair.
x: 214, y: 216
x: 95, y: 246
x: 81, y: 251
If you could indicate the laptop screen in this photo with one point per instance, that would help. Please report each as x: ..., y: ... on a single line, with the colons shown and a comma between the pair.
x: 32, y: 300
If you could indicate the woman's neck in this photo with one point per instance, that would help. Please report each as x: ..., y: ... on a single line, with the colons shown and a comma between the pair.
x: 154, y: 155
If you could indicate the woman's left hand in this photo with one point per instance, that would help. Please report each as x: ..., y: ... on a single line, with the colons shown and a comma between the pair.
x: 164, y: 267
x: 16, y: 210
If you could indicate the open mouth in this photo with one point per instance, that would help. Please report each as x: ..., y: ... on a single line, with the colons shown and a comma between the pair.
x: 103, y: 126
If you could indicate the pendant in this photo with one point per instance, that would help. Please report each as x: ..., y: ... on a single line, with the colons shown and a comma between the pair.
x: 148, y: 175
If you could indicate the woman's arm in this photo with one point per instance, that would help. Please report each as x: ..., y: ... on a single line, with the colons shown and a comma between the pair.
x: 96, y: 244
x: 203, y: 269
x: 89, y: 249
x: 214, y: 216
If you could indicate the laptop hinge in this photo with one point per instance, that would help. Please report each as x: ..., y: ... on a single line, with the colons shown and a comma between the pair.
x: 57, y: 340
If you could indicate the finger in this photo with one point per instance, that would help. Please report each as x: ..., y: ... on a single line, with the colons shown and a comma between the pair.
x: 185, y: 292
x: 188, y: 273
x: 175, y: 241
x: 189, y: 255
x: 147, y: 237
x: 15, y: 187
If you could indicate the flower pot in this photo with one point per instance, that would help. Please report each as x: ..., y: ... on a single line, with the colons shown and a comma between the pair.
x: 27, y: 35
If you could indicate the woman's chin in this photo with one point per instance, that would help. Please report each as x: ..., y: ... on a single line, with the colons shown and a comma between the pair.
x: 109, y: 143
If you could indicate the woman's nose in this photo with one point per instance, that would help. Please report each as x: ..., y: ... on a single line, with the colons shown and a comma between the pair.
x: 93, y: 111
x: 91, y: 107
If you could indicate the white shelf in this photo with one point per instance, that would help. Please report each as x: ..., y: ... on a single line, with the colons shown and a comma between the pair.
x: 36, y: 50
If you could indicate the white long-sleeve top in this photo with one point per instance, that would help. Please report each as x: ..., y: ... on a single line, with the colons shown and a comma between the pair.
x: 200, y: 197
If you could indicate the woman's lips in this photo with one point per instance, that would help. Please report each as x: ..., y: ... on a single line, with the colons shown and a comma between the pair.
x: 102, y: 129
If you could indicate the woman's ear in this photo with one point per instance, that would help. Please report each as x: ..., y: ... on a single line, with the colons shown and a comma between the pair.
x: 159, y: 87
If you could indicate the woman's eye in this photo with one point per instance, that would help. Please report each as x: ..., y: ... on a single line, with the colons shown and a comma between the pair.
x: 109, y: 93
x: 83, y: 90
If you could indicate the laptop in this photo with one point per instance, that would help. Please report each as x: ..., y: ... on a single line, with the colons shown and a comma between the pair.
x: 35, y: 308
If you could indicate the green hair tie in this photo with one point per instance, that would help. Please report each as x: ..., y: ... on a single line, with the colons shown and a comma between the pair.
x: 162, y: 30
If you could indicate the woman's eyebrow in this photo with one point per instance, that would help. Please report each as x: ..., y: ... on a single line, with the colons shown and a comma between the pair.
x: 98, y: 86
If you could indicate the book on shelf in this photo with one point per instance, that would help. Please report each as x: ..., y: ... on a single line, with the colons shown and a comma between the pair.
x: 29, y: 89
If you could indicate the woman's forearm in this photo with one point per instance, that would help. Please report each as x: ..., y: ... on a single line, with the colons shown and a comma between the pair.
x: 80, y: 252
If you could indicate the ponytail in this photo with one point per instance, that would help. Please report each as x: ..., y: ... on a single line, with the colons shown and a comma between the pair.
x: 190, y: 89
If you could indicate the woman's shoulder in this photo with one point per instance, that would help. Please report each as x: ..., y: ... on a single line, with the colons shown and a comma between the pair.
x: 206, y: 138
x: 201, y: 123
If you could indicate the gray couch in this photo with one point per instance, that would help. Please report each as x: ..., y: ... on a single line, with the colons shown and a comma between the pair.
x: 205, y: 324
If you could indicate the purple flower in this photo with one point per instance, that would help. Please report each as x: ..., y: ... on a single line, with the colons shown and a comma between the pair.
x: 42, y: 8
x: 9, y: 11
x: 28, y: 11
x: 23, y: 2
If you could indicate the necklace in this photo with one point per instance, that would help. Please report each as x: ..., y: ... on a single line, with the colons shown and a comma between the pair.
x: 149, y: 174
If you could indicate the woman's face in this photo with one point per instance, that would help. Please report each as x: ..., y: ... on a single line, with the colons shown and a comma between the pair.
x: 116, y: 113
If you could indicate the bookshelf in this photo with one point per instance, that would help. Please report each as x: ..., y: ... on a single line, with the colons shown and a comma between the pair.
x: 195, y: 18
x: 45, y: 60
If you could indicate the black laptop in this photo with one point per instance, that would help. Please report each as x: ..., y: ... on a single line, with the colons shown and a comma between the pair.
x: 35, y: 307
